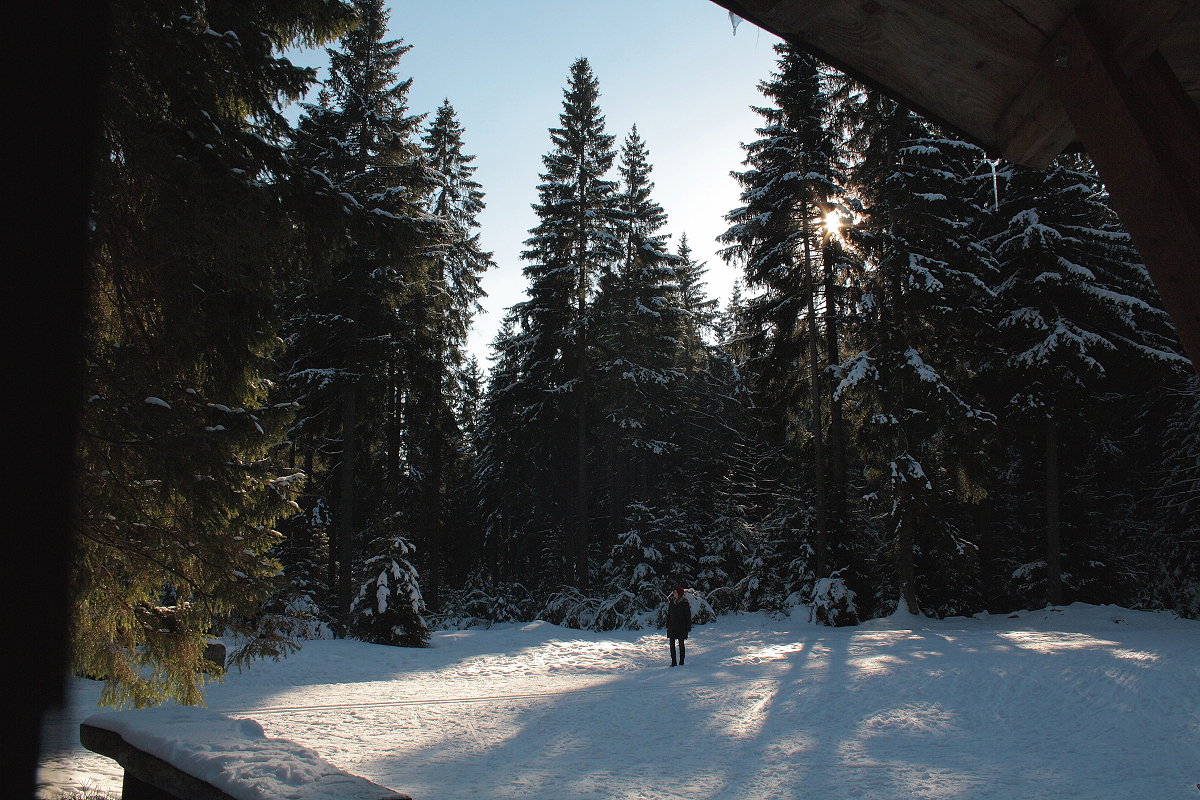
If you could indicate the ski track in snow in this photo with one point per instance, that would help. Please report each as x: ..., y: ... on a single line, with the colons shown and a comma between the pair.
x: 1087, y: 702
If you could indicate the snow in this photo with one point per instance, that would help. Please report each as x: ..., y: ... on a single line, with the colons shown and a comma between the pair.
x: 157, y: 401
x: 235, y: 755
x: 1093, y: 702
x: 859, y: 368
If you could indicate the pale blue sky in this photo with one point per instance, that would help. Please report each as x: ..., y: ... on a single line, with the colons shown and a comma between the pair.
x: 673, y: 67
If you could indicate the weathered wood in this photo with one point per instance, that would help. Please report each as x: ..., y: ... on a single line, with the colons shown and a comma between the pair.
x: 152, y: 778
x: 1035, y: 127
x: 148, y: 777
x: 1143, y: 133
x: 976, y: 68
x: 959, y: 64
x: 1181, y: 48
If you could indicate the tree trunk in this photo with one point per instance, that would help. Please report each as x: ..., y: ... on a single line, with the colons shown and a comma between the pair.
x: 580, y: 540
x: 618, y: 487
x: 581, y: 467
x: 837, y: 448
x: 1053, y: 534
x: 821, y: 542
x: 432, y: 500
x: 987, y: 555
x: 346, y: 536
x: 433, y: 576
x: 395, y: 433
x: 310, y: 485
x: 905, y: 570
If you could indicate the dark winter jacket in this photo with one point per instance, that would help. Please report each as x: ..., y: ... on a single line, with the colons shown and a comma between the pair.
x: 679, y: 618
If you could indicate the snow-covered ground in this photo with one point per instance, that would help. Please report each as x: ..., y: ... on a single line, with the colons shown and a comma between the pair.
x: 1081, y: 702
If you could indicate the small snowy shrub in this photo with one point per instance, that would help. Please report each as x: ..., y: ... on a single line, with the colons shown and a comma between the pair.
x: 621, y: 609
x: 387, y: 609
x: 702, y: 610
x: 302, y: 604
x: 649, y: 558
x: 571, y: 608
x: 298, y: 616
x: 724, y: 561
x: 481, y: 603
x: 833, y: 602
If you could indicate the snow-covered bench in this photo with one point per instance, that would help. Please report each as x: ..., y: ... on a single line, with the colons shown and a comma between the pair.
x: 181, y: 753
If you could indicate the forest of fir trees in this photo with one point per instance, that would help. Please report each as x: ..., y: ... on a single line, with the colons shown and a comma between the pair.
x: 944, y: 385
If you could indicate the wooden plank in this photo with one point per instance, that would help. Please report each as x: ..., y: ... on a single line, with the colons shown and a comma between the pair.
x: 1046, y: 17
x: 1035, y: 127
x: 147, y: 770
x: 148, y: 777
x: 1143, y: 134
x: 1136, y: 29
x: 963, y: 60
x: 956, y: 63
x: 976, y: 68
x: 1181, y: 48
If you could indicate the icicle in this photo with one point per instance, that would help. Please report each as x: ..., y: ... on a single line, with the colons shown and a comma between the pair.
x: 995, y: 185
x: 734, y: 20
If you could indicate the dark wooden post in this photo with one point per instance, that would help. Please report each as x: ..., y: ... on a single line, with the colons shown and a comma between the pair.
x: 1143, y: 133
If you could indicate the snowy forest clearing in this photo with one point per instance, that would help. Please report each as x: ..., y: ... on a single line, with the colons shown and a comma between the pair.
x: 1085, y: 701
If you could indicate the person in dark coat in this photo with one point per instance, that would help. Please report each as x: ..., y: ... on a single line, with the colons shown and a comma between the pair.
x: 679, y: 622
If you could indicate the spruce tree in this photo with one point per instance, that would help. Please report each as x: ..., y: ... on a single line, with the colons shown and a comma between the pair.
x: 572, y: 242
x: 508, y: 482
x: 464, y: 554
x: 456, y: 200
x: 925, y: 303
x: 792, y: 181
x: 356, y: 327
x: 639, y: 331
x: 1174, y: 579
x: 650, y: 554
x: 1078, y: 318
x: 388, y: 605
x: 443, y: 314
x: 192, y: 224
x: 700, y: 310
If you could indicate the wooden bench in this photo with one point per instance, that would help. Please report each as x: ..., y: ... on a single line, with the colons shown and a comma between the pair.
x: 195, y: 754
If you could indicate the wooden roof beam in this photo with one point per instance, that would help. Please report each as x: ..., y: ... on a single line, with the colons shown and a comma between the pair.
x: 1142, y: 131
x: 1036, y: 127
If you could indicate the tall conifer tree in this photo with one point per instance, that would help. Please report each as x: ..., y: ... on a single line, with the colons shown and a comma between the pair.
x: 437, y: 355
x: 192, y: 225
x: 572, y: 242
x: 1078, y: 318
x: 352, y: 330
x: 792, y: 181
x: 639, y: 331
x: 925, y: 302
x: 701, y: 310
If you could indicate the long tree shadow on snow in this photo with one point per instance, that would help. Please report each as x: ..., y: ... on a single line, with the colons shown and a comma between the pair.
x: 871, y: 712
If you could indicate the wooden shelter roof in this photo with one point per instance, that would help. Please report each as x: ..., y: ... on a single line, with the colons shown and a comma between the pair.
x: 1027, y: 79
x: 979, y: 67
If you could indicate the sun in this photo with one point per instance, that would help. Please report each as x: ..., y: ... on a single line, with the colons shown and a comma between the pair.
x: 833, y: 224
